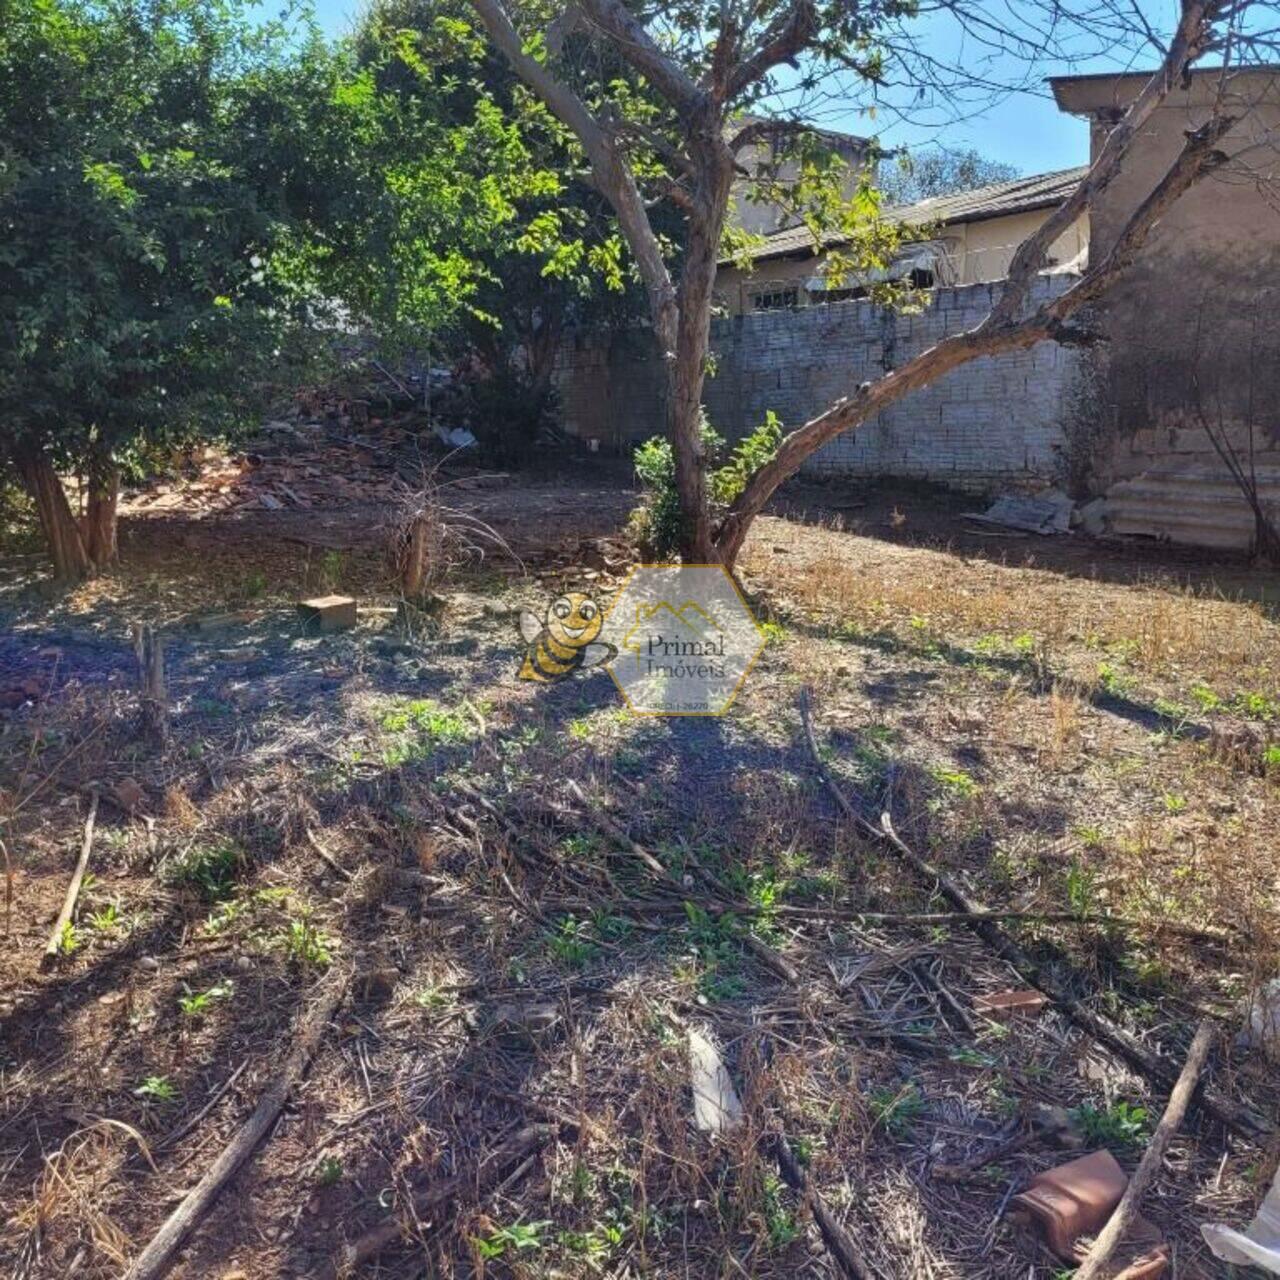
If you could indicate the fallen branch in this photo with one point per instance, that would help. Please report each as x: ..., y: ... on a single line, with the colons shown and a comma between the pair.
x: 611, y: 828
x: 327, y: 858
x: 155, y: 1258
x: 1237, y: 1118
x: 1179, y: 1099
x: 840, y: 1244
x: 54, y: 945
x: 506, y: 1155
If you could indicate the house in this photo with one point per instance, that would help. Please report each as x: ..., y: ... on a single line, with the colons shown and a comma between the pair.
x: 1152, y: 422
x: 971, y: 238
x: 1191, y: 368
x: 762, y: 217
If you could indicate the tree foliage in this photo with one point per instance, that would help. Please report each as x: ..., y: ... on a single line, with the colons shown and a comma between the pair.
x: 139, y: 296
x: 713, y: 70
x: 937, y: 171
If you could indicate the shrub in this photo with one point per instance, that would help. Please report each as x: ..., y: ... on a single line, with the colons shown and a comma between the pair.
x: 657, y: 522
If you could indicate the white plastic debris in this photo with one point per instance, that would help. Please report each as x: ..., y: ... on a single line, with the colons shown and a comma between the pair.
x: 455, y: 437
x: 716, y: 1105
x: 1259, y: 1244
x: 1262, y: 1029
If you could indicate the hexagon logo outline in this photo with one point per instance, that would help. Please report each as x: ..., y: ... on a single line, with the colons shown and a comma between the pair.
x: 757, y: 645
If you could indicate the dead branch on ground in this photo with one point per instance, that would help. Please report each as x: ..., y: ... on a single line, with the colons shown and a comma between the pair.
x: 1237, y: 1118
x: 1111, y: 1235
x: 154, y: 1260
x: 54, y: 946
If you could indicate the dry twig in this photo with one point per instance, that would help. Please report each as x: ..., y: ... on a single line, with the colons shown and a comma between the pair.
x: 54, y: 945
x: 1111, y: 1235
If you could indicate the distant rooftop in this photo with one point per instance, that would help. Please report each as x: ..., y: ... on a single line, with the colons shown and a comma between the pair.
x: 1018, y: 195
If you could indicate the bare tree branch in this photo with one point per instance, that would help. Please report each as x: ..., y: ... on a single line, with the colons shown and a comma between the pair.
x: 608, y: 168
x: 1198, y: 155
x: 1033, y: 254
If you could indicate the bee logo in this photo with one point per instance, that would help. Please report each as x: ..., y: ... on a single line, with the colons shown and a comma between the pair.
x: 564, y: 641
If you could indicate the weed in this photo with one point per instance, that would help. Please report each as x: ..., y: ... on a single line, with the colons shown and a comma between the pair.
x: 433, y: 997
x: 1257, y: 706
x: 520, y: 1236
x: 1174, y: 804
x: 107, y: 919
x: 329, y: 1172
x: 306, y: 946
x: 1205, y: 698
x: 1089, y: 836
x: 715, y: 944
x: 773, y: 632
x: 956, y: 781
x: 1112, y: 682
x: 779, y: 1220
x: 196, y: 1004
x: 1120, y: 1125
x: 210, y: 869
x: 1271, y: 756
x: 1080, y: 888
x: 896, y: 1109
x: 156, y: 1089
x: 254, y: 585
x: 570, y: 944
x: 420, y: 726
x: 68, y: 940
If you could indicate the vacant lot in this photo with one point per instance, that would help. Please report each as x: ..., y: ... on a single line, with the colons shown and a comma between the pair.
x: 536, y: 896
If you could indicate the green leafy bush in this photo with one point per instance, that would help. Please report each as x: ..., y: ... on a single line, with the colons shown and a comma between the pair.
x: 657, y: 522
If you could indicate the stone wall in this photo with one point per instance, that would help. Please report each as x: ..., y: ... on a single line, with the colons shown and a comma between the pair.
x: 994, y: 422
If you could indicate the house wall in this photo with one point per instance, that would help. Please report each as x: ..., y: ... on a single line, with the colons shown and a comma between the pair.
x: 1190, y: 324
x: 979, y: 251
x: 993, y: 422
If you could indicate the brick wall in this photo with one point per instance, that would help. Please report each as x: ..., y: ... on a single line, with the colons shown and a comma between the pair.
x: 992, y: 422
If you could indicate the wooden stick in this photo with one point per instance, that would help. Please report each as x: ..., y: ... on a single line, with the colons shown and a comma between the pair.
x: 840, y: 1244
x: 8, y: 889
x: 1237, y: 1118
x: 54, y: 945
x: 1179, y: 1099
x: 155, y: 1258
x: 611, y: 828
x: 506, y: 1155
x: 327, y: 858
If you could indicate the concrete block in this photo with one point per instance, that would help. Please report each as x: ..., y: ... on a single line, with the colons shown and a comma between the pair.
x: 328, y: 613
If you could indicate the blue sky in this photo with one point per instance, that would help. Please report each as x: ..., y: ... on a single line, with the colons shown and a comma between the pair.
x: 1024, y: 129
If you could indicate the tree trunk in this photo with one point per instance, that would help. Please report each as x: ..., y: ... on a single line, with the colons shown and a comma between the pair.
x: 98, y: 526
x: 695, y: 297
x: 67, y: 549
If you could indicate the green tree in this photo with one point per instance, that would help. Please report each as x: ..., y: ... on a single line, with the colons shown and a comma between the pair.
x: 556, y: 261
x: 710, y: 65
x: 138, y: 295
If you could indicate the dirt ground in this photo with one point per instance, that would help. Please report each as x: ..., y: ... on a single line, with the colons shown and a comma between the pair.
x: 1071, y: 730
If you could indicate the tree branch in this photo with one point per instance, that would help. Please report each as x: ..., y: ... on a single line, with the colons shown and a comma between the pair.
x: 640, y: 49
x: 1188, y: 44
x: 608, y: 168
x: 789, y: 34
x: 1198, y: 155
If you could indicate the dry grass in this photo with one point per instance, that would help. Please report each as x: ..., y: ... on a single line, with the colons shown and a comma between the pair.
x: 515, y: 963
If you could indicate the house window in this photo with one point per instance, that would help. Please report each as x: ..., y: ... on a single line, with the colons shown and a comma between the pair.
x: 777, y: 299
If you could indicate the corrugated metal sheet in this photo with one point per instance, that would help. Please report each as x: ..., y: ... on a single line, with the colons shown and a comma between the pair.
x: 1197, y: 506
